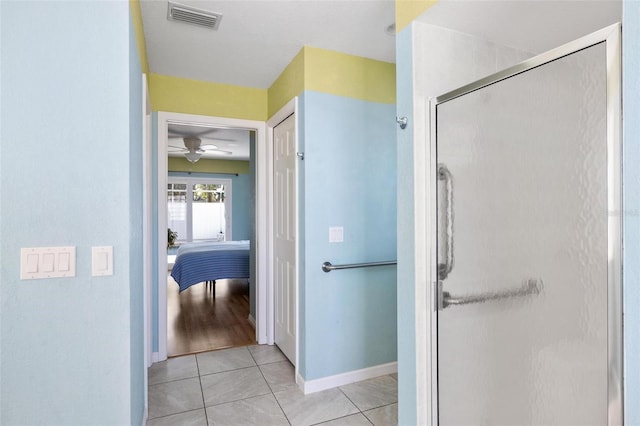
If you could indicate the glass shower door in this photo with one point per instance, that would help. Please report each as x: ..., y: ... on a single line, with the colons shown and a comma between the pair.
x: 524, y: 263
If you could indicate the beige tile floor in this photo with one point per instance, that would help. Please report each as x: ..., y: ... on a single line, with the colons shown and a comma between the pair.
x: 255, y: 385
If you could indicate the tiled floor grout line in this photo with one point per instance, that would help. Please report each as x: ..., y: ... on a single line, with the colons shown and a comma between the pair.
x: 271, y: 390
x: 242, y: 399
x: 174, y: 414
x: 204, y: 403
x: 355, y: 405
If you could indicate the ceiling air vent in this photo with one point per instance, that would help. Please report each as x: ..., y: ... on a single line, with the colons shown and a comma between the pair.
x: 191, y: 15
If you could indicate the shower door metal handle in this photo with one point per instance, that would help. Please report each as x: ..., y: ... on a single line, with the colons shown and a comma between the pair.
x: 444, y: 175
x: 532, y: 287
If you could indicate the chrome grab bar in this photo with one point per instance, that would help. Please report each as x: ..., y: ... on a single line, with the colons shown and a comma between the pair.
x: 529, y: 288
x: 445, y: 175
x: 328, y: 267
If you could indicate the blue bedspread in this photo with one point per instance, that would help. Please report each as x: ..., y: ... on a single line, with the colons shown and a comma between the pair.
x: 198, y: 262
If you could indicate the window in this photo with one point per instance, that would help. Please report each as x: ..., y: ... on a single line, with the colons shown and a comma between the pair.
x: 199, y: 209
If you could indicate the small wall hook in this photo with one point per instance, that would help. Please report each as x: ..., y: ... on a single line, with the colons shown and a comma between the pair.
x: 300, y: 155
x: 402, y: 121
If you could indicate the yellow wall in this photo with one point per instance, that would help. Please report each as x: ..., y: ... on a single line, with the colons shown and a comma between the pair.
x: 136, y: 18
x: 288, y: 85
x: 314, y: 69
x: 173, y: 94
x: 408, y: 10
x: 350, y: 76
x: 335, y: 73
x: 178, y: 164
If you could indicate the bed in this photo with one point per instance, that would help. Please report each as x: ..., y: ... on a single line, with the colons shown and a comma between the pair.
x: 202, y: 262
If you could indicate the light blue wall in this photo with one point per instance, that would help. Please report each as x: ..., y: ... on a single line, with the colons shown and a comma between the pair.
x: 631, y: 184
x: 350, y: 181
x: 407, y: 402
x: 241, y: 201
x: 136, y: 303
x: 65, y: 179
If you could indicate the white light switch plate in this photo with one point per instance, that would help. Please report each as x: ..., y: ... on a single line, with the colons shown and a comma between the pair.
x: 47, y: 262
x: 336, y: 234
x: 101, y: 261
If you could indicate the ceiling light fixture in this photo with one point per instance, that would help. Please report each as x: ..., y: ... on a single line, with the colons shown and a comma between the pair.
x: 192, y: 156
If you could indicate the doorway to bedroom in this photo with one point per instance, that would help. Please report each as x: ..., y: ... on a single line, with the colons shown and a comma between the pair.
x: 209, y: 191
x: 209, y: 315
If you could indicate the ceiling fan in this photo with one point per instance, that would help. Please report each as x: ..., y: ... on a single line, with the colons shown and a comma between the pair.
x: 193, y: 148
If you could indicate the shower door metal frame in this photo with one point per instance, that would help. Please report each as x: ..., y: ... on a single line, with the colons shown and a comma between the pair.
x: 611, y: 36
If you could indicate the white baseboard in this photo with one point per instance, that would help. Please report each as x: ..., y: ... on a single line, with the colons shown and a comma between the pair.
x: 252, y: 321
x: 155, y: 357
x: 347, y: 378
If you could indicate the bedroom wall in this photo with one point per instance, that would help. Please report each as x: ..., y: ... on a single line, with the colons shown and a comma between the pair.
x: 71, y: 348
x: 204, y: 165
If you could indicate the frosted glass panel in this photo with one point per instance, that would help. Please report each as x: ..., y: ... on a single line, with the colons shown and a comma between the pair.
x: 528, y: 186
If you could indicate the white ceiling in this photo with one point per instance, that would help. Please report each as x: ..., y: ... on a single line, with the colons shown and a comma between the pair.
x: 257, y: 39
x: 533, y: 26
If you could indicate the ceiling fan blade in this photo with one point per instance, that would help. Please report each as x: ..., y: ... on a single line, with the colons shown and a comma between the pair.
x: 181, y: 148
x: 173, y: 133
x: 218, y: 139
x: 208, y: 147
x: 207, y: 132
x: 219, y: 151
x: 191, y: 134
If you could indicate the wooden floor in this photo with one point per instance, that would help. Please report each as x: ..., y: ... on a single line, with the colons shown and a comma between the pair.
x: 197, y: 322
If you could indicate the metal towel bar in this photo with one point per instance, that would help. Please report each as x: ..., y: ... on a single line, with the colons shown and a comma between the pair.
x: 328, y: 267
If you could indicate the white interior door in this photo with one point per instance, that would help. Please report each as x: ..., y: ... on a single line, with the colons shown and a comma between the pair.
x: 528, y: 247
x: 285, y: 227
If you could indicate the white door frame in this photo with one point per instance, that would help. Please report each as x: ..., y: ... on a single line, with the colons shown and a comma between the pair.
x: 291, y: 107
x: 147, y: 235
x: 427, y: 216
x: 264, y: 325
